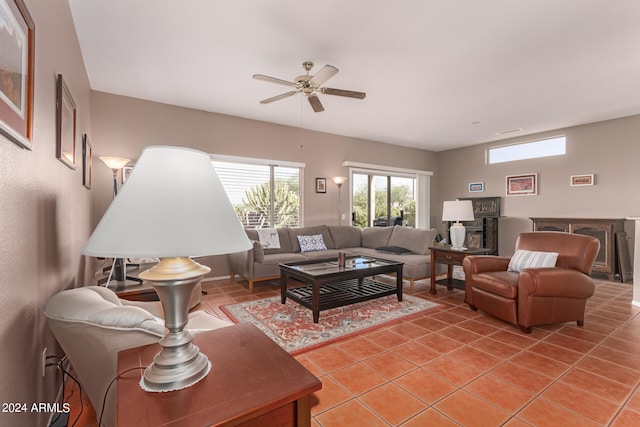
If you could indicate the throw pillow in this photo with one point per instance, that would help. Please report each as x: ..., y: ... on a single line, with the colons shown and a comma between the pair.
x: 393, y: 250
x: 312, y: 243
x: 532, y: 259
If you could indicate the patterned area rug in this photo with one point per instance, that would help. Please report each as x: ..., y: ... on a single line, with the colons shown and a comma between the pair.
x: 291, y: 325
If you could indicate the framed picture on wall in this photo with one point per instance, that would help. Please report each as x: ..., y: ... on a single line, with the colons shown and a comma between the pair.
x: 17, y: 52
x: 87, y: 154
x: 476, y: 187
x: 522, y: 185
x: 321, y: 185
x: 65, y: 125
x: 126, y: 171
x: 579, y: 180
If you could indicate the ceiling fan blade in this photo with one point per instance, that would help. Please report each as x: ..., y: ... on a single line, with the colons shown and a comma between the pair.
x: 273, y: 80
x: 315, y: 103
x: 324, y: 74
x: 342, y: 92
x: 278, y: 97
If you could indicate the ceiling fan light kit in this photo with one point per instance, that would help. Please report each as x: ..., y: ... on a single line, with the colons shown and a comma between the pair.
x: 310, y: 86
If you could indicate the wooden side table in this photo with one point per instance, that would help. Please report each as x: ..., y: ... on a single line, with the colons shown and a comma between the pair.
x: 451, y: 257
x: 253, y: 382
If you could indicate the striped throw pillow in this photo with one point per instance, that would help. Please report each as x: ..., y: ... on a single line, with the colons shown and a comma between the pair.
x: 531, y: 259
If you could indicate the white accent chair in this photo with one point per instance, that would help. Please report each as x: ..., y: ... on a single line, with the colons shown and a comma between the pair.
x: 92, y: 325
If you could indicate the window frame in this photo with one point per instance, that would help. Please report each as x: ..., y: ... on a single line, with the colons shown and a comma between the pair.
x: 522, y: 144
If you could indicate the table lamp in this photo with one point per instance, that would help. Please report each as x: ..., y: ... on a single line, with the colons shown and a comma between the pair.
x: 457, y: 210
x: 173, y: 208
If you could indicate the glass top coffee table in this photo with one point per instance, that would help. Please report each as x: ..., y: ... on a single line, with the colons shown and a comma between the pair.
x: 328, y: 285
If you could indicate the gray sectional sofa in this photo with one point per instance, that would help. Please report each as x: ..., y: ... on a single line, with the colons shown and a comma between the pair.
x: 261, y: 263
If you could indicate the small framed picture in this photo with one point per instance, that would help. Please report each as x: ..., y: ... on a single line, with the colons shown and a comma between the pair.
x: 579, y: 180
x: 476, y: 187
x: 87, y: 153
x: 321, y: 185
x: 126, y: 171
x: 522, y: 185
x: 65, y: 125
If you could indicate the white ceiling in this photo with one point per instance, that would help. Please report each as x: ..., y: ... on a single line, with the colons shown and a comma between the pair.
x: 438, y: 74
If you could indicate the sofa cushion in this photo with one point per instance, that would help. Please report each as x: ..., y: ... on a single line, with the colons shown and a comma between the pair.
x: 417, y: 240
x: 393, y: 250
x: 531, y: 259
x: 283, y: 236
x: 374, y: 237
x: 345, y: 236
x: 311, y: 243
x: 309, y: 231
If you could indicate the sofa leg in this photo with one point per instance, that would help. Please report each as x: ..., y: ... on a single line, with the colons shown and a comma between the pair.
x: 250, y: 286
x: 232, y: 276
x: 410, y: 286
x: 526, y: 329
x: 580, y: 322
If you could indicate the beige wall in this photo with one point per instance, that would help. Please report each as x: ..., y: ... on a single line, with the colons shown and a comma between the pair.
x: 609, y: 149
x: 45, y: 218
x: 123, y: 126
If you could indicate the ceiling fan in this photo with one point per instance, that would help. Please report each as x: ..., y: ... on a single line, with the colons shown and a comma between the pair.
x: 309, y: 86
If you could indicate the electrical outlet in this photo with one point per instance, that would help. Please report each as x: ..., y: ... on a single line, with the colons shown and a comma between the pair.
x: 44, y: 361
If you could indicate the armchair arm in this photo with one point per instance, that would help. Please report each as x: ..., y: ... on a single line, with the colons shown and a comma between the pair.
x: 475, y: 264
x: 554, y: 282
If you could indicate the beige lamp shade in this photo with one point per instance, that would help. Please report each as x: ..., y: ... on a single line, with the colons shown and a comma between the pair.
x: 173, y: 205
x: 457, y: 210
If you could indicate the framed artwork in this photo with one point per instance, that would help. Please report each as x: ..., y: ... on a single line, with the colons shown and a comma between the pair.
x: 126, y: 171
x: 579, y: 180
x: 87, y: 165
x: 321, y: 185
x: 65, y: 125
x: 522, y: 185
x: 476, y: 187
x: 17, y: 53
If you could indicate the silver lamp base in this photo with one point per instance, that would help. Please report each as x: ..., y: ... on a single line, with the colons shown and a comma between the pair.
x: 457, y: 233
x: 180, y: 363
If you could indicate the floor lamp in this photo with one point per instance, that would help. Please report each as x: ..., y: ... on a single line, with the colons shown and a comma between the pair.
x: 339, y: 180
x: 173, y: 207
x: 115, y: 164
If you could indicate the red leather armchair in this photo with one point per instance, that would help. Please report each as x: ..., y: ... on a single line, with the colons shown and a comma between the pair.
x: 535, y: 296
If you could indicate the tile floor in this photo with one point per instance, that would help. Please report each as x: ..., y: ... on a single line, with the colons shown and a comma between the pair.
x: 456, y: 367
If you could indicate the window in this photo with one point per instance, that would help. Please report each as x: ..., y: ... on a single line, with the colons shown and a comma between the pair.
x: 263, y: 195
x: 527, y: 150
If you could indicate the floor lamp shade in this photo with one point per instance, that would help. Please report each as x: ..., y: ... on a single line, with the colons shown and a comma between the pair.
x: 457, y: 210
x: 173, y: 207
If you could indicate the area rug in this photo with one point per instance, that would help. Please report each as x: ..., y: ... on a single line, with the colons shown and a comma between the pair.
x: 291, y: 325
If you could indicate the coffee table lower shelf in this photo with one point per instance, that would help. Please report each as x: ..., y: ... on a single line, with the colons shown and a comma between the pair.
x: 341, y: 293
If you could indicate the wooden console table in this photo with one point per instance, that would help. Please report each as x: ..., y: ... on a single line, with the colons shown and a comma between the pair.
x: 253, y: 382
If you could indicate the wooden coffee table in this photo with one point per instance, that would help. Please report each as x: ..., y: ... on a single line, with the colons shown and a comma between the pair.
x: 328, y: 285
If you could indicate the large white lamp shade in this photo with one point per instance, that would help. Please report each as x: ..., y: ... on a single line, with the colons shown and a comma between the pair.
x: 457, y: 210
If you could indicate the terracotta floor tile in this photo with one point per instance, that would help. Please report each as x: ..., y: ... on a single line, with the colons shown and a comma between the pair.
x: 360, y: 348
x: 311, y: 367
x: 634, y: 400
x: 352, y: 413
x: 603, y: 387
x: 516, y: 422
x: 626, y: 418
x: 610, y: 370
x: 390, y: 365
x: 475, y: 358
x: 632, y: 347
x: 542, y: 364
x: 570, y: 343
x: 522, y: 377
x: 415, y: 352
x: 582, y: 402
x: 410, y: 330
x: 520, y: 340
x: 471, y: 411
x: 495, y: 348
x: 329, y: 396
x: 425, y: 386
x: 448, y: 317
x: 430, y: 418
x: 542, y: 413
x: 502, y: 394
x: 387, y: 339
x: 330, y: 358
x: 618, y: 357
x: 593, y: 333
x: 462, y: 335
x: 440, y: 343
x: 430, y: 324
x: 481, y: 328
x: 392, y: 403
x: 358, y: 378
x: 450, y: 369
x: 556, y: 353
